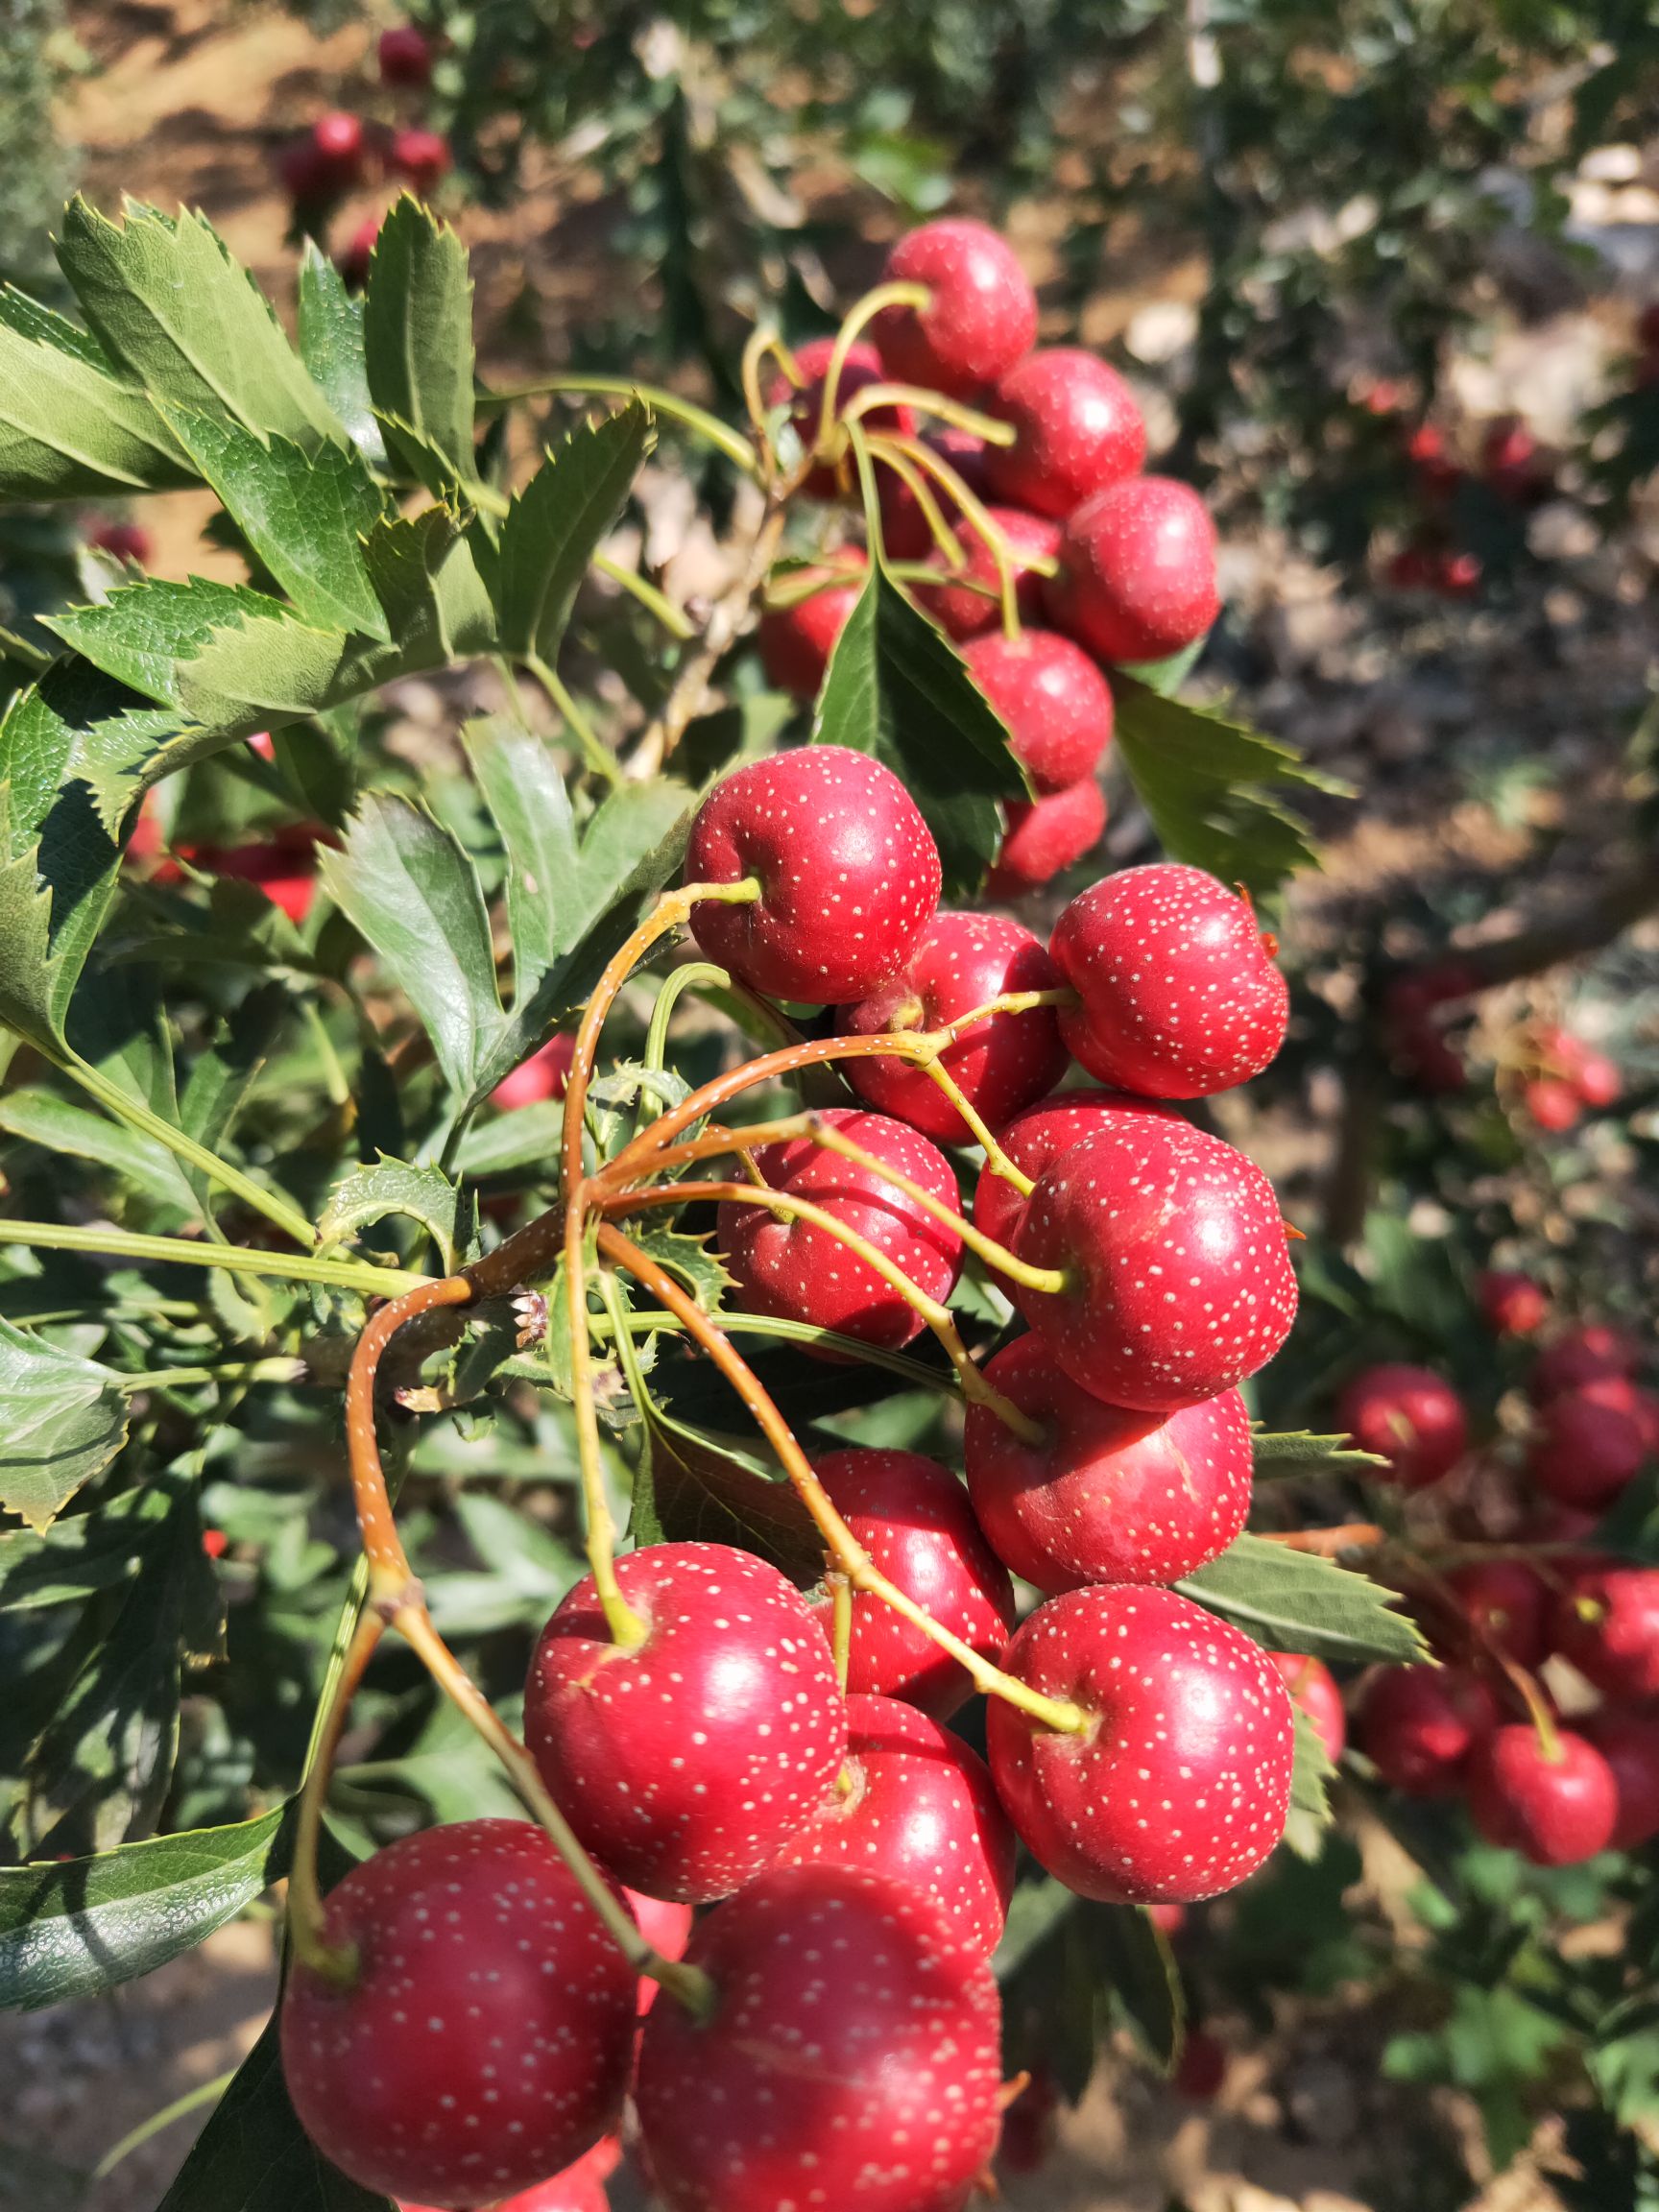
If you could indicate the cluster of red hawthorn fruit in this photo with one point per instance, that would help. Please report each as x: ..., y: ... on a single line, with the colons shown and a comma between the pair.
x: 1553, y: 1075
x: 1508, y: 460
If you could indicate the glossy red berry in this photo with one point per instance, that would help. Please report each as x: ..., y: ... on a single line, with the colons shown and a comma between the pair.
x: 913, y: 1517
x: 982, y: 316
x: 485, y: 2040
x: 848, y: 869
x: 1136, y: 578
x: 914, y: 1805
x: 1591, y: 1441
x: 1418, y: 1726
x: 1589, y: 1352
x: 358, y: 252
x: 1035, y: 1139
x: 1599, y: 1082
x: 1108, y: 1495
x: 1556, y: 1807
x: 1077, y: 427
x: 1511, y: 1304
x: 1409, y: 1416
x: 684, y: 1761
x: 1045, y: 837
x: 1606, y: 1621
x: 795, y: 641
x: 1553, y: 1102
x: 962, y: 961
x: 1313, y: 1690
x: 1055, y: 702
x: 1629, y: 1743
x: 579, y: 2188
x: 1182, y: 1787
x: 962, y: 612
x: 1506, y: 1601
x: 337, y: 144
x: 850, y: 2059
x: 1178, y: 996
x: 905, y: 531
x: 860, y: 367
x: 423, y: 159
x: 405, y: 55
x: 1177, y: 1280
x: 538, y: 1078
x: 797, y: 1270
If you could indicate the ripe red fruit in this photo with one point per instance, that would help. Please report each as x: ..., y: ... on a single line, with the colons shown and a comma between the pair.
x: 795, y: 641
x: 963, y: 613
x: 578, y: 2188
x: 1606, y: 1622
x: 1598, y: 1081
x: 337, y: 148
x: 851, y: 2061
x: 982, y: 318
x: 861, y: 366
x: 796, y: 1271
x: 683, y: 1761
x: 1555, y: 1811
x: 1407, y: 1415
x: 1108, y: 1495
x: 1588, y: 1352
x: 914, y: 1805
x: 1168, y: 1919
x: 1418, y: 1726
x: 1511, y: 461
x: 1046, y: 836
x: 1591, y: 1441
x: 472, y: 1941
x: 1178, y: 1281
x: 905, y: 531
x: 1458, y: 575
x: 1137, y: 579
x: 541, y: 1077
x: 1182, y: 1789
x: 1506, y: 1601
x: 1056, y: 703
x: 284, y: 867
x: 1313, y: 1688
x: 1035, y: 1139
x: 666, y: 1926
x: 122, y: 541
x: 1178, y: 994
x: 421, y: 159
x: 1437, y: 474
x: 913, y: 1517
x: 405, y: 55
x: 963, y: 961
x: 359, y: 252
x: 1511, y: 1304
x: 1629, y: 1743
x: 1077, y: 428
x: 849, y: 874
x: 1202, y: 2067
x: 1553, y: 1103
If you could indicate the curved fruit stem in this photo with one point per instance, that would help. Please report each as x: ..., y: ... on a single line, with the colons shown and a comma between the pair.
x: 626, y: 1628
x: 686, y: 412
x: 389, y: 1575
x: 840, y: 1625
x: 973, y: 513
x: 307, y: 1928
x: 910, y: 1372
x: 843, y: 1547
x: 677, y: 623
x: 924, y: 402
x: 932, y: 514
x: 858, y: 316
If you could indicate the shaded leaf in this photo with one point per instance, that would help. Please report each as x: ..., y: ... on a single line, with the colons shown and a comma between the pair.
x: 418, y: 345
x: 554, y: 526
x: 1296, y: 1602
x: 69, y: 428
x: 63, y: 1419
x: 425, y: 577
x: 58, y: 1126
x: 1310, y: 1814
x: 423, y: 1193
x: 141, y: 632
x: 525, y: 793
x: 1134, y: 1961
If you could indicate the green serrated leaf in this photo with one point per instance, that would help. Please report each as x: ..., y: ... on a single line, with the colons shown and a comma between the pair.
x: 513, y: 1143
x: 525, y: 794
x: 1133, y: 1959
x: 554, y: 526
x: 1294, y: 1451
x: 425, y: 577
x: 418, y: 345
x: 424, y: 1193
x: 1296, y: 1602
x: 168, y: 303
x: 691, y: 1262
x: 1310, y: 1814
x: 63, y: 1421
x: 70, y: 429
x: 58, y: 1126
x: 332, y: 347
x: 895, y: 689
x: 142, y: 630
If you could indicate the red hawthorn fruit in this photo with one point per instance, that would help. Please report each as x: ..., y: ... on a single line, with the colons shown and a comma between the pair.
x: 861, y: 366
x: 1598, y: 1081
x: 1108, y: 1495
x: 1077, y: 428
x: 848, y: 869
x: 1458, y: 575
x: 795, y: 641
x: 305, y: 175
x: 1588, y: 1352
x: 850, y: 2059
x: 1555, y: 1811
x: 913, y: 1517
x: 1591, y: 1441
x: 1511, y: 1304
x: 284, y: 867
x: 471, y: 1941
x: 1181, y: 1790
x: 1629, y: 1743
x: 1512, y: 463
x: 1202, y: 2067
x: 405, y: 55
x: 1437, y: 474
x: 1035, y: 1139
x: 541, y: 1077
x: 795, y: 1270
x: 1647, y: 327
x: 1178, y: 996
x: 1418, y: 1726
x: 421, y: 159
x: 1168, y: 1919
x: 359, y: 252
x: 1553, y: 1104
x: 980, y: 320
x: 1178, y: 1280
x: 963, y: 613
x: 683, y: 1761
x: 1506, y: 1601
x: 1606, y: 1621
x: 1137, y: 576
x: 962, y: 961
x: 1407, y: 1415
x: 121, y: 540
x: 666, y: 1926
x: 1045, y: 837
x: 1313, y: 1688
x: 1055, y: 702
x: 904, y: 528
x: 215, y: 1542
x: 337, y: 149
x: 579, y: 2188
x: 914, y: 1805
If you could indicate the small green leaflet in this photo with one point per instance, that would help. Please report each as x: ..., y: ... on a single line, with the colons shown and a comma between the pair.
x: 423, y: 1193
x: 1296, y: 1602
x: 141, y: 632
x: 418, y: 346
x: 555, y: 524
x: 1310, y: 1814
x: 1292, y: 1451
x: 332, y: 347
x: 63, y: 1419
x: 69, y: 428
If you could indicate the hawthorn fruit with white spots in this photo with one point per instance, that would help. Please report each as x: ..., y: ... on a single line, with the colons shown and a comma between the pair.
x: 1137, y: 577
x: 1313, y: 1692
x: 484, y: 2038
x: 579, y: 2188
x: 980, y: 319
x: 1181, y: 1788
x: 1505, y: 1602
x: 1045, y: 837
x: 914, y: 1518
x: 962, y: 961
x: 1178, y: 995
x: 1409, y: 1416
x: 1109, y: 1494
x: 1556, y: 1802
x: 795, y: 641
x: 1077, y: 428
x: 847, y: 870
x: 683, y: 1761
x: 1035, y: 1139
x: 1056, y: 704
x: 916, y: 1806
x: 851, y: 2061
